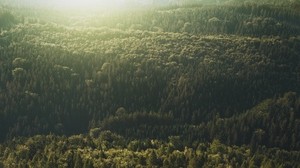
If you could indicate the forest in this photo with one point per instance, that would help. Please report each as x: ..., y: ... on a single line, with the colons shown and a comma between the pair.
x: 189, y: 84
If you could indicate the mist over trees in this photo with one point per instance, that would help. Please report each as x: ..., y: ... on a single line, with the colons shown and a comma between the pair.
x: 147, y: 3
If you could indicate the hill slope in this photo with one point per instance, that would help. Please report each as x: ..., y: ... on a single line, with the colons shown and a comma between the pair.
x: 189, y: 75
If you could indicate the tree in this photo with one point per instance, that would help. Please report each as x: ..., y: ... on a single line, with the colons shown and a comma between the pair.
x: 7, y: 19
x: 52, y: 161
x: 88, y: 163
x: 217, y: 147
x: 194, y: 162
x: 152, y: 159
x: 78, y: 161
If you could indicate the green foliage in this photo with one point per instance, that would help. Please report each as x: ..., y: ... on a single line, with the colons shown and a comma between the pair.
x: 210, y: 155
x: 216, y: 146
x: 188, y: 86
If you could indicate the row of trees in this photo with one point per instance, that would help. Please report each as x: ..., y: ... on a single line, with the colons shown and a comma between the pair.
x: 246, y: 19
x: 111, y: 150
x: 272, y: 123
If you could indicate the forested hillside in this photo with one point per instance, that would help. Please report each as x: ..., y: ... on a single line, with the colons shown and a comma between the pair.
x: 182, y: 86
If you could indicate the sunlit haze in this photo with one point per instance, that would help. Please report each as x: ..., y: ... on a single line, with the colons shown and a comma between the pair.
x: 107, y: 5
x: 86, y: 4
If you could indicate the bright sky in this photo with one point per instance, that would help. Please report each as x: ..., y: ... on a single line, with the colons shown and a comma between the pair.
x: 89, y: 3
x: 107, y: 4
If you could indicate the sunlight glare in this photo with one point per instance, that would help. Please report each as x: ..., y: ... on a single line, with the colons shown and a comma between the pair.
x: 86, y: 4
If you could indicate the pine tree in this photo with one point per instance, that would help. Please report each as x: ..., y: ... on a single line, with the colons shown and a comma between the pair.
x: 88, y: 164
x: 78, y: 161
x: 152, y: 159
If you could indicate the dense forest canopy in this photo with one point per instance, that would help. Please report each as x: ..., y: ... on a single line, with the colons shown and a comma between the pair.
x: 150, y: 84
